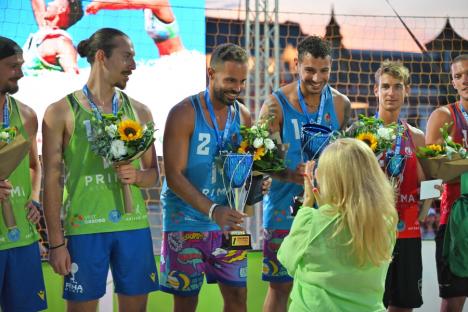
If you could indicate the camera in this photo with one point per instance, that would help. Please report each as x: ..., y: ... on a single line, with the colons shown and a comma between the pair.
x: 296, y: 205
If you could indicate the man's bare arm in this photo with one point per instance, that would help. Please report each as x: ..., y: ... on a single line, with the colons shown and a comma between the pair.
x: 437, y: 120
x: 39, y: 9
x: 98, y: 5
x: 30, y: 125
x: 54, y: 132
x: 272, y: 109
x: 418, y: 141
x: 53, y: 128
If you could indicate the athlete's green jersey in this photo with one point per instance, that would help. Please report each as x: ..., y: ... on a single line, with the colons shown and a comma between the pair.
x: 25, y: 232
x: 94, y: 197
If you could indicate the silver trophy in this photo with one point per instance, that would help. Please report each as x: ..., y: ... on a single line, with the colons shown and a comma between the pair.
x: 236, y: 170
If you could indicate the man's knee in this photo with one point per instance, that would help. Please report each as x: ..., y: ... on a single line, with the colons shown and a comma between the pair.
x: 281, y: 288
x: 235, y: 295
x: 185, y: 303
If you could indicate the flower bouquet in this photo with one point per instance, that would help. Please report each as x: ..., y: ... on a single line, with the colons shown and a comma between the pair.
x: 445, y: 161
x: 382, y: 139
x: 267, y: 154
x: 13, y: 149
x: 120, y: 141
x: 373, y: 132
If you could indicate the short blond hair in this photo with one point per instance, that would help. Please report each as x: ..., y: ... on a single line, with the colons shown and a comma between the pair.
x: 396, y: 69
x: 352, y: 182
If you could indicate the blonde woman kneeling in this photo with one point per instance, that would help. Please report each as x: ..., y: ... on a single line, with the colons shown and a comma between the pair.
x: 339, y: 254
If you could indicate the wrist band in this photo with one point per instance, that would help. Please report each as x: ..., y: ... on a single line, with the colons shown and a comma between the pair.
x: 36, y: 204
x: 58, y: 246
x: 212, y: 209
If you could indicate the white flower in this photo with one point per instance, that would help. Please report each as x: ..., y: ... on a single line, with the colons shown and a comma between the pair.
x: 269, y: 144
x: 385, y: 133
x: 253, y: 128
x: 265, y: 133
x: 111, y: 130
x: 4, y: 136
x: 118, y: 149
x: 258, y: 142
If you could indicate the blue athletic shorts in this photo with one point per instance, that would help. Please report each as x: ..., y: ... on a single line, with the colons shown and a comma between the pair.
x: 21, y: 281
x: 129, y: 255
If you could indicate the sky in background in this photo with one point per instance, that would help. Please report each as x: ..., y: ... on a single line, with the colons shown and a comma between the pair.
x: 365, y: 24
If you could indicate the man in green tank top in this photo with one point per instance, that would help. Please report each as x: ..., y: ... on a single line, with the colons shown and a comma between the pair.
x: 97, y: 234
x: 21, y: 280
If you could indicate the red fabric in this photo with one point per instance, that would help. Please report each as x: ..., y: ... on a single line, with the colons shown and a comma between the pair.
x: 452, y: 191
x: 408, y: 193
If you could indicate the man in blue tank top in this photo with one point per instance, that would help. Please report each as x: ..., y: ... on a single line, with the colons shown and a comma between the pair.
x: 194, y: 198
x: 309, y: 99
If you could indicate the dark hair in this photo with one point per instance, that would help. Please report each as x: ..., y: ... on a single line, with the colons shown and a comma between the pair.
x: 8, y: 48
x: 102, y: 39
x: 396, y: 69
x: 461, y: 57
x: 228, y: 52
x: 315, y: 46
x: 76, y: 12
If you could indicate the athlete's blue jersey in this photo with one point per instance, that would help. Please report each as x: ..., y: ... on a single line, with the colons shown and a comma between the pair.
x: 202, y: 172
x: 276, y: 213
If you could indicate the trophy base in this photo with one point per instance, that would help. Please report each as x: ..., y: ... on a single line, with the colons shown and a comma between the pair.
x: 237, y: 240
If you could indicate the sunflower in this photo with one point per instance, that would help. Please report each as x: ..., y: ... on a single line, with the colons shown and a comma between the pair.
x: 369, y: 139
x: 259, y: 153
x: 243, y: 147
x: 435, y: 147
x: 129, y: 130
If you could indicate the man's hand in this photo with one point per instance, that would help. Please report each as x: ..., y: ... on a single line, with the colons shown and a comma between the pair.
x: 60, y: 260
x: 311, y: 193
x: 5, y: 189
x: 297, y: 176
x: 266, y: 185
x: 127, y: 174
x: 34, y: 215
x: 228, y: 219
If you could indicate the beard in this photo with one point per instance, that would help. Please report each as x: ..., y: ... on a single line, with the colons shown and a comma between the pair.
x: 120, y: 85
x: 220, y: 95
x: 10, y: 89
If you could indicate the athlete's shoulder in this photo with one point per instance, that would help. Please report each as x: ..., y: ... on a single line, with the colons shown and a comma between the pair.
x: 290, y: 89
x: 141, y: 109
x: 415, y: 130
x: 27, y: 113
x: 183, y: 112
x: 61, y: 107
x: 416, y: 135
x: 244, y: 113
x: 442, y: 112
x: 340, y: 98
x: 440, y: 116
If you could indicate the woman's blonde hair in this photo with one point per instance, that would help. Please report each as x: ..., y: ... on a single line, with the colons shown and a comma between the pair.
x: 352, y: 182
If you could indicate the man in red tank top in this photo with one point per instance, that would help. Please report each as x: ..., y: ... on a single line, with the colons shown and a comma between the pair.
x: 452, y: 289
x: 404, y: 277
